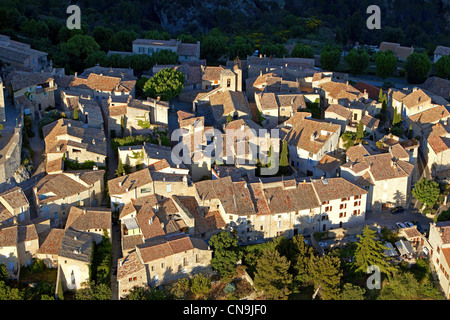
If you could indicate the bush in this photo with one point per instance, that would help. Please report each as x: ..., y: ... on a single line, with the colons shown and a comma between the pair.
x: 37, y: 266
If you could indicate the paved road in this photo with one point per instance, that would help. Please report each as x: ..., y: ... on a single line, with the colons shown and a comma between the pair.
x: 387, y: 219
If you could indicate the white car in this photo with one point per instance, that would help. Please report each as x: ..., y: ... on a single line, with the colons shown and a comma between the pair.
x: 408, y: 224
x: 400, y: 225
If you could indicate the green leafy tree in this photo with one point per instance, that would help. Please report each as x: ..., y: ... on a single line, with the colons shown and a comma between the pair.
x: 426, y: 191
x: 302, y: 51
x: 187, y: 38
x: 139, y: 62
x: 97, y: 57
x: 386, y: 64
x: 273, y: 50
x: 229, y: 118
x: 352, y: 292
x: 369, y: 251
x: 418, y: 65
x: 326, y: 274
x: 103, y: 36
x: 165, y: 57
x: 3, y: 272
x: 330, y: 57
x: 178, y: 289
x: 213, y: 45
x: 272, y: 275
x: 123, y: 40
x: 8, y: 293
x: 242, y: 47
x: 200, y: 285
x: 94, y: 292
x: 78, y: 48
x: 358, y: 60
x: 443, y: 67
x: 116, y: 61
x: 156, y: 35
x: 140, y: 293
x: 167, y: 83
x: 226, y: 253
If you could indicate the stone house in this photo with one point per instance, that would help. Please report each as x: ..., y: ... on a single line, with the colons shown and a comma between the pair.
x: 74, y: 259
x: 49, y: 249
x: 9, y: 255
x: 71, y: 140
x: 387, y: 177
x: 146, y: 182
x: 54, y: 194
x: 27, y: 243
x: 131, y: 273
x: 21, y: 56
x: 36, y: 87
x: 309, y: 140
x: 399, y: 51
x: 185, y: 51
x: 14, y: 206
x: 134, y: 116
x: 91, y: 220
x: 439, y: 52
x: 173, y: 257
x: 438, y: 149
x: 439, y: 240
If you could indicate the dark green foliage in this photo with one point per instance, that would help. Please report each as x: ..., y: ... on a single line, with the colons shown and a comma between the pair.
x: 284, y: 158
x: 213, y: 46
x: 352, y: 292
x: 272, y: 275
x: 418, y: 65
x: 129, y: 141
x: 100, y: 268
x: 359, y: 132
x: 165, y: 57
x: 386, y: 64
x: 302, y: 51
x: 242, y: 47
x: 330, y: 57
x: 167, y: 84
x: 226, y: 253
x: 273, y: 50
x: 140, y: 293
x: 95, y: 291
x: 358, y: 60
x: 75, y: 165
x: 443, y: 67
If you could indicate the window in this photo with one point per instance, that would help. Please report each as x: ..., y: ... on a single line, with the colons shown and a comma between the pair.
x: 342, y: 214
x: 356, y: 212
x: 184, y: 262
x: 328, y: 208
x: 162, y: 265
x: 357, y: 203
x: 357, y: 197
x: 146, y: 190
x: 169, y: 188
x: 261, y: 228
x: 325, y: 202
x: 228, y: 82
x: 279, y: 224
x: 343, y: 206
x: 345, y: 199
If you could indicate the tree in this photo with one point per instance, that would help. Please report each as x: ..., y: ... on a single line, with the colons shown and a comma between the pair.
x: 156, y: 35
x: 302, y: 51
x: 165, y: 57
x: 226, y: 253
x: 229, y: 118
x: 284, y: 158
x: 418, y: 65
x: 120, y: 171
x: 272, y: 275
x: 123, y: 40
x: 94, y: 292
x: 213, y: 45
x: 178, y: 289
x: 103, y: 37
x: 166, y: 83
x: 397, y: 118
x: 140, y: 293
x: 273, y: 50
x: 187, y: 38
x: 369, y: 251
x: 97, y: 57
x: 443, y: 67
x: 352, y: 292
x: 241, y: 47
x: 301, y: 259
x: 139, y: 62
x: 78, y: 48
x: 386, y: 63
x: 360, y: 132
x: 8, y: 293
x: 200, y: 285
x: 358, y: 60
x: 330, y: 57
x: 326, y: 274
x: 426, y: 191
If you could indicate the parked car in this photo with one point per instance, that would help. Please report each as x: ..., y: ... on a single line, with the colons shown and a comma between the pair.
x: 397, y: 210
x: 400, y: 225
x: 408, y: 224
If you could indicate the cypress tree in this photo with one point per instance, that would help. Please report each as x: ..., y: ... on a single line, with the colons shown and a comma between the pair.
x: 369, y: 251
x: 360, y: 132
x: 326, y: 274
x: 272, y: 275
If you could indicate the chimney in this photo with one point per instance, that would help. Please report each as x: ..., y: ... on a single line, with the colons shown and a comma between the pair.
x: 158, y: 98
x: 76, y: 74
x: 260, y: 73
x: 93, y: 141
x: 120, y: 263
x: 120, y: 183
